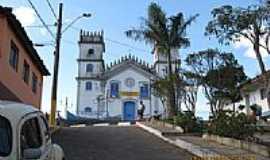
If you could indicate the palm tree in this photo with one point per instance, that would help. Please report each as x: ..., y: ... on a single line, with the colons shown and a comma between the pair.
x: 164, y: 34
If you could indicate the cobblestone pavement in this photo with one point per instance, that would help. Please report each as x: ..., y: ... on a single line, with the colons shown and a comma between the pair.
x: 115, y: 143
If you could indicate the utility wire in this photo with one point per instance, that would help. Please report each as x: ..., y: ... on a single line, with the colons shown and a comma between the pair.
x: 126, y: 45
x: 40, y: 26
x: 52, y: 10
x: 119, y: 43
x: 108, y: 39
x: 40, y: 18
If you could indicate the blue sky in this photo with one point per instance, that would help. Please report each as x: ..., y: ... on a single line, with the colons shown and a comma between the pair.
x: 115, y: 17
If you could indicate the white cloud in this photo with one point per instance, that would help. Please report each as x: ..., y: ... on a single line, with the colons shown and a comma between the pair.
x: 25, y: 15
x: 248, y: 47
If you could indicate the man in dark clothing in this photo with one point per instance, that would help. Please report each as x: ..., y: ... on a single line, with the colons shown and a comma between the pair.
x: 141, y: 110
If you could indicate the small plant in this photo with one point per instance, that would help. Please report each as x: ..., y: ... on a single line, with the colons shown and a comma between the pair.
x: 187, y: 121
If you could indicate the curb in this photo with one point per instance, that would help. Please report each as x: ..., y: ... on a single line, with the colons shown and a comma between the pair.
x: 194, y: 149
x: 122, y: 124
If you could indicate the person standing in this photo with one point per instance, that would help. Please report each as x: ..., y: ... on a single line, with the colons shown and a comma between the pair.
x: 141, y: 110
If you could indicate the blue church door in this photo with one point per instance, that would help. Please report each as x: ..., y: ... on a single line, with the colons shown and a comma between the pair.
x: 129, y: 111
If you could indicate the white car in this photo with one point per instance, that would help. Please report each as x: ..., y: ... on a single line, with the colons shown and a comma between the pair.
x: 24, y: 134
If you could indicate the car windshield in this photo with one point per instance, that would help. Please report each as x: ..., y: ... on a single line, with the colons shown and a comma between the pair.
x: 5, y: 137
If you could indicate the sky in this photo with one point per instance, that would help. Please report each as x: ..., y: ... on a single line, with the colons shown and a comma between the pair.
x: 115, y: 17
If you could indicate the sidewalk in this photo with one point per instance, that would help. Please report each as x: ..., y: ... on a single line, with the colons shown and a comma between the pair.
x: 199, y: 146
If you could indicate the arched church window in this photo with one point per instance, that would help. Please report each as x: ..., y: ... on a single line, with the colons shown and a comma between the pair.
x: 88, y: 86
x: 89, y: 67
x: 88, y: 109
x: 114, y: 89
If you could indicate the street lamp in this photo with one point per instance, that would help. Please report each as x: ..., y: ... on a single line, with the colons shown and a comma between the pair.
x: 84, y: 15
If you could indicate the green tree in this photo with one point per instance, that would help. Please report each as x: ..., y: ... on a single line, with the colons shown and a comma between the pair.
x: 219, y: 74
x: 164, y: 34
x: 229, y: 24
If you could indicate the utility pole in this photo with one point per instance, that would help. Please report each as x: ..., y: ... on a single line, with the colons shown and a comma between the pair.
x: 56, y: 67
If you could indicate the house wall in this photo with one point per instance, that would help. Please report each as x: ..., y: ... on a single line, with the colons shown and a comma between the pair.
x: 11, y: 79
x: 253, y: 97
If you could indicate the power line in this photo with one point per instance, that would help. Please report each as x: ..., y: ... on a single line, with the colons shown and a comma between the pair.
x: 108, y: 39
x: 40, y: 18
x: 126, y: 45
x: 119, y: 43
x: 52, y: 10
x: 40, y: 26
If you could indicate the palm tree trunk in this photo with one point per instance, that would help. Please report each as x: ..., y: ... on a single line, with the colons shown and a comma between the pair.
x: 169, y: 63
x: 171, y: 97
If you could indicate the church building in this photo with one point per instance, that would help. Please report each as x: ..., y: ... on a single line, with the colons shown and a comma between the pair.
x: 115, y: 90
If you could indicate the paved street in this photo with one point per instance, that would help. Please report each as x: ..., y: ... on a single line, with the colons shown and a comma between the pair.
x: 115, y: 143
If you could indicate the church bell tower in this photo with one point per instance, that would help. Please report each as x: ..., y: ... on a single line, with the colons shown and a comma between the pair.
x: 161, y: 62
x: 90, y: 70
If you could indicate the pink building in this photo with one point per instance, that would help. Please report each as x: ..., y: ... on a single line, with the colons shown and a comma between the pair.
x: 21, y: 69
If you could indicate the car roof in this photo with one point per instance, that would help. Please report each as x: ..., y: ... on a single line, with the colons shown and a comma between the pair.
x: 14, y: 111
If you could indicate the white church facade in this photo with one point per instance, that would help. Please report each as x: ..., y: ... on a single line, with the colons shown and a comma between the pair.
x: 117, y: 89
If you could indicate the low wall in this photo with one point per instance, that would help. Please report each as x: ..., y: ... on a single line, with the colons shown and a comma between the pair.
x: 168, y: 125
x: 253, y: 147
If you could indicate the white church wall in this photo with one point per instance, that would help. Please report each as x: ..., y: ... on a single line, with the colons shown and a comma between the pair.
x: 88, y: 98
x: 116, y: 104
x: 97, y: 67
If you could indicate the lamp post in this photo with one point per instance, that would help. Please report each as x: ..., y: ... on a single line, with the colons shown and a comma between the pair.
x: 84, y: 15
x: 56, y: 60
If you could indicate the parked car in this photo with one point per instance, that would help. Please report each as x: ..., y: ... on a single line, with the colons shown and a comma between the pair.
x: 24, y: 134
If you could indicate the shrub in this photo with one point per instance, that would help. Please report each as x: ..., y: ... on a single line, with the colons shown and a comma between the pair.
x: 228, y: 124
x: 187, y: 121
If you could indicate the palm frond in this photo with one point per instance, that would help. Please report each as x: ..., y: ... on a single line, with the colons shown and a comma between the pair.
x: 184, y: 26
